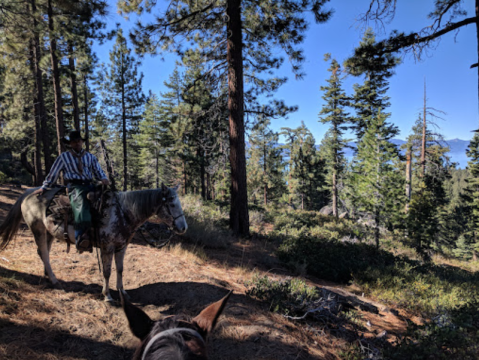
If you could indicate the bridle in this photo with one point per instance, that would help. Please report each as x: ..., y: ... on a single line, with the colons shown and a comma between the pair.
x: 167, y: 206
x: 168, y: 333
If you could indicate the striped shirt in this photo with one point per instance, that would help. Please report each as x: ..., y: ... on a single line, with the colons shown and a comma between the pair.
x: 67, y: 163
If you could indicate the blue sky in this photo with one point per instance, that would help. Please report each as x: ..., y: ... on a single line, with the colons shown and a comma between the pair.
x: 451, y: 85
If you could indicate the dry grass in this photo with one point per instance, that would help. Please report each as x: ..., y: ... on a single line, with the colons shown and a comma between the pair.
x: 37, y: 322
x: 472, y: 266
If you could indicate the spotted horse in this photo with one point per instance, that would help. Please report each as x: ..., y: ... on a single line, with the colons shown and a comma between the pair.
x: 123, y: 213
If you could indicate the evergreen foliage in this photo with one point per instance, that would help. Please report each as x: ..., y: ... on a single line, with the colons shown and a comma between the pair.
x: 124, y: 100
x: 333, y: 113
x: 376, y: 184
x: 306, y: 178
x: 266, y: 26
x: 370, y: 97
x: 265, y: 164
x: 429, y: 223
x: 469, y: 244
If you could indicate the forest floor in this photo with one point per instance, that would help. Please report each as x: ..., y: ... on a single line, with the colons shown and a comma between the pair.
x: 39, y: 322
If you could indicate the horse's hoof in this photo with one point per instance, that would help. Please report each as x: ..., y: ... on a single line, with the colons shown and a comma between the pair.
x: 109, y: 300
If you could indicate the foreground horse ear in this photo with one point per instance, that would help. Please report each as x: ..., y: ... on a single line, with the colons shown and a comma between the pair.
x: 207, y: 319
x: 140, y: 322
x: 163, y: 187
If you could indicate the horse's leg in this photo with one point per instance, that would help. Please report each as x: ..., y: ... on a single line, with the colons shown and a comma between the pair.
x: 119, y: 257
x: 49, y: 248
x: 106, y: 258
x: 44, y: 241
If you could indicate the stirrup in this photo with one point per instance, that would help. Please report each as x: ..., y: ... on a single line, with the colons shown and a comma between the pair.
x: 83, y: 244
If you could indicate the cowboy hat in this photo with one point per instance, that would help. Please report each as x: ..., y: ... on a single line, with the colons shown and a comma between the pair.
x: 74, y: 135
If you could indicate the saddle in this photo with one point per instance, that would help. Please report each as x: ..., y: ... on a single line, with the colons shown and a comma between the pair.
x: 61, y: 211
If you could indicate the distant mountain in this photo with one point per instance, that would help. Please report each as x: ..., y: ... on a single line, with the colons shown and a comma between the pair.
x: 457, y: 153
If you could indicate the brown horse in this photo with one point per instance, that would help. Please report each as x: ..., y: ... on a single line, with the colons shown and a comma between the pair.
x: 124, y: 213
x: 172, y: 338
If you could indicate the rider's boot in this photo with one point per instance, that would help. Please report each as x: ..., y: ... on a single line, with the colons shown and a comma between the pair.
x: 83, y: 242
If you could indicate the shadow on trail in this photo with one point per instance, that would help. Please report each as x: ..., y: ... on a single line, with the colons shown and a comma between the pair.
x: 259, y: 339
x: 32, y: 342
x: 181, y: 298
x: 44, y: 283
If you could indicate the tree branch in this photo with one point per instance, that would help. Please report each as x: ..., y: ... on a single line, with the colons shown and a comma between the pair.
x: 414, y: 38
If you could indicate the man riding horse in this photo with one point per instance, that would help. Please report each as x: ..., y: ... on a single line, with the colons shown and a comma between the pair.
x: 79, y: 168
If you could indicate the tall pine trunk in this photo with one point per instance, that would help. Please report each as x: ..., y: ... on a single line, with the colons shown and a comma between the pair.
x: 335, y: 175
x: 335, y: 194
x: 123, y: 122
x: 265, y: 176
x: 290, y: 190
x: 37, y: 163
x: 56, y: 81
x: 201, y: 156
x: 239, y: 218
x: 408, y: 177
x: 40, y: 100
x: 423, y: 142
x: 157, y: 167
x: 378, y: 185
x: 73, y: 86
x: 87, y: 126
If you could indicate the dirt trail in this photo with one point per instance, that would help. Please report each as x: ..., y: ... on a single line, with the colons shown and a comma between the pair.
x: 38, y: 322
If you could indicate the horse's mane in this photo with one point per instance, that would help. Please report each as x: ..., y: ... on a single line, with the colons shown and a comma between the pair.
x: 140, y: 202
x: 171, y: 347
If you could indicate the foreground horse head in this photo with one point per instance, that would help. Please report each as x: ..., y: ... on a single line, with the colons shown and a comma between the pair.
x: 172, y: 338
x: 171, y: 211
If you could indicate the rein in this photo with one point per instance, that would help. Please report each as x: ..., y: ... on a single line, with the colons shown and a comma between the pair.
x: 168, y: 333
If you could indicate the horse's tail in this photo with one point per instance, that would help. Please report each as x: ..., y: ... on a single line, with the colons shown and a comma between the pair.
x: 10, y: 226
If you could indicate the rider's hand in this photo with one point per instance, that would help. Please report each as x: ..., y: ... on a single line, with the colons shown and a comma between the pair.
x: 39, y: 192
x: 105, y: 181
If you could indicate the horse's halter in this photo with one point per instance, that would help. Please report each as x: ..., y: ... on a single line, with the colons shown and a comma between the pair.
x: 166, y: 204
x: 170, y: 332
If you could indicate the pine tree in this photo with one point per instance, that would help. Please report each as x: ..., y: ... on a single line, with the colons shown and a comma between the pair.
x: 370, y: 97
x: 376, y: 183
x: 333, y: 113
x: 305, y: 170
x: 40, y: 109
x: 428, y: 222
x: 23, y: 122
x: 265, y: 163
x: 267, y: 25
x: 205, y: 114
x: 123, y: 95
x: 153, y: 139
x: 471, y: 197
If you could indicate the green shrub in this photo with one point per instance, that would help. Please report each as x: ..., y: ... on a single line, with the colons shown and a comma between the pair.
x: 425, y: 288
x: 3, y: 178
x: 450, y: 335
x: 207, y: 222
x: 289, y: 297
x: 329, y: 259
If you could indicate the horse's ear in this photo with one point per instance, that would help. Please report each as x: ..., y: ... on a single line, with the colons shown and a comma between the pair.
x: 207, y: 319
x: 163, y: 187
x: 140, y: 322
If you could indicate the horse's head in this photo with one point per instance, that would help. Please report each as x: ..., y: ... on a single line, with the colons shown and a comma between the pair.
x: 170, y: 211
x: 172, y: 338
